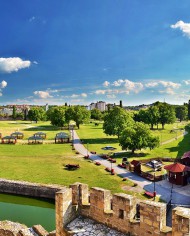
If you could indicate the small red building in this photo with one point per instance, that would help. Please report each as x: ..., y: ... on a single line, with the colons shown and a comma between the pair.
x: 185, y: 160
x: 178, y: 173
x: 135, y: 166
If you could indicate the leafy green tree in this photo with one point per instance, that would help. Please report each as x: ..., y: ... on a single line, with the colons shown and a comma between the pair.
x: 50, y: 112
x: 167, y: 114
x: 142, y: 116
x: 36, y: 114
x: 181, y: 112
x: 188, y: 110
x: 96, y: 114
x: 78, y: 114
x: 153, y: 116
x: 116, y: 120
x: 14, y: 112
x: 57, y: 116
x: 137, y: 137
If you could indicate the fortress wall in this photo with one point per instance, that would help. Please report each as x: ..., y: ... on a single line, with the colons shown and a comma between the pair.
x: 118, y: 211
x: 28, y: 189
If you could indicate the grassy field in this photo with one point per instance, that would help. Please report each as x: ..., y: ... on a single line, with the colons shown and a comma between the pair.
x: 28, y: 128
x: 174, y: 149
x: 46, y: 163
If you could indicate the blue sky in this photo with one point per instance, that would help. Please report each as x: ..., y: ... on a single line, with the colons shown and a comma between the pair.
x: 83, y: 51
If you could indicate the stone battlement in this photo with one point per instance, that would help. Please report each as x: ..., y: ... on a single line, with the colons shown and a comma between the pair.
x: 118, y: 211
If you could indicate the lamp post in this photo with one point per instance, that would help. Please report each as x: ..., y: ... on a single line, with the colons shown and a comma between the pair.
x: 171, y: 194
x: 111, y: 167
x: 87, y: 149
x: 154, y: 186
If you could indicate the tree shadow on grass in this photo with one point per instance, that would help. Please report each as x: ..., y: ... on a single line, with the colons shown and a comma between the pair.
x: 102, y: 141
x: 44, y: 128
x: 183, y: 146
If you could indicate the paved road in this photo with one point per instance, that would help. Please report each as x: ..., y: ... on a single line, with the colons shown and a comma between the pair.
x: 180, y: 195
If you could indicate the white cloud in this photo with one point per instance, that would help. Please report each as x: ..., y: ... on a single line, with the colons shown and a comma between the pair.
x: 35, y: 62
x: 170, y: 84
x: 106, y: 84
x: 3, y: 84
x: 184, y: 27
x: 165, y: 84
x: 84, y: 95
x: 1, y: 94
x: 100, y: 91
x: 110, y: 96
x: 74, y: 96
x: 129, y: 86
x: 42, y: 94
x: 118, y: 83
x: 187, y: 82
x: 135, y: 87
x: 152, y: 84
x: 12, y: 64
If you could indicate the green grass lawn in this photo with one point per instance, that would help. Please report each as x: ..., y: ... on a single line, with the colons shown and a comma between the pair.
x: 98, y: 139
x: 46, y: 163
x: 28, y: 128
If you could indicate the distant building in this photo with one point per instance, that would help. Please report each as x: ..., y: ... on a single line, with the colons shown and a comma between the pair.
x: 98, y: 105
x: 101, y: 106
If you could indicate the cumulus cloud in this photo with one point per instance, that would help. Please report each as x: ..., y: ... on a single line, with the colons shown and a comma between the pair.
x: 13, y: 64
x: 111, y: 96
x: 106, y: 84
x: 42, y: 94
x: 100, y: 91
x: 118, y: 83
x: 129, y: 86
x: 184, y: 27
x: 187, y: 82
x: 3, y: 84
x: 165, y: 84
x: 84, y: 95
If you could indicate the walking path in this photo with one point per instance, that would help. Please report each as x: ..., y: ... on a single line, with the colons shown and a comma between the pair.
x: 180, y: 194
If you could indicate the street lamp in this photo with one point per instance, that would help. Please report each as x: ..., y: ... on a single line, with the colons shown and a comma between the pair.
x: 87, y: 149
x: 154, y: 185
x: 171, y: 194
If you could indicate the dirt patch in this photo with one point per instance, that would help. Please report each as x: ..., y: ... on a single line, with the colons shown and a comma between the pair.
x: 136, y: 189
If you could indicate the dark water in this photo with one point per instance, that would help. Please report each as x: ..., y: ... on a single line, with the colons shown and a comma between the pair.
x: 28, y: 211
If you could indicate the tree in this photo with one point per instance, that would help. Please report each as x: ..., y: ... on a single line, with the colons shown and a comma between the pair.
x: 96, y: 114
x: 78, y: 114
x: 57, y: 116
x: 14, y: 112
x: 138, y: 136
x: 167, y: 114
x: 153, y: 116
x: 116, y: 120
x: 36, y: 114
x: 189, y: 110
x: 181, y: 112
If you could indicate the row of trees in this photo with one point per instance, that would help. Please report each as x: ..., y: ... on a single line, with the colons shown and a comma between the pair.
x: 60, y: 116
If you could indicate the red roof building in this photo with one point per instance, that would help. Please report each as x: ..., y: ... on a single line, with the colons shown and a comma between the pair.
x: 178, y: 173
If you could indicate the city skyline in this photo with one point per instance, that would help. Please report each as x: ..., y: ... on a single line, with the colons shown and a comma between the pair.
x: 87, y: 51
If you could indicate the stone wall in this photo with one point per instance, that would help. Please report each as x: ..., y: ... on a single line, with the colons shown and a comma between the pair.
x: 118, y: 211
x: 28, y: 189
